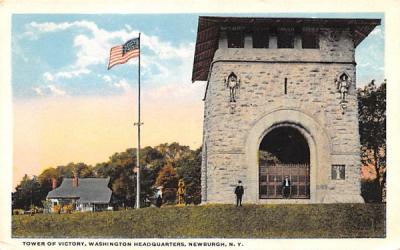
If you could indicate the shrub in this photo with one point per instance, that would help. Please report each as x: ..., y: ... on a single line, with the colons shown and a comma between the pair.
x: 57, y: 209
x: 68, y: 208
x: 17, y: 211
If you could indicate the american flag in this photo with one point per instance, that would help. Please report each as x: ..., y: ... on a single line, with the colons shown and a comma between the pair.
x: 120, y: 54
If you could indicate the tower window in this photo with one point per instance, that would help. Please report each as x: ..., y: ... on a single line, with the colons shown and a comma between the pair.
x: 338, y: 172
x: 260, y: 39
x: 286, y: 38
x: 235, y: 39
x: 310, y: 40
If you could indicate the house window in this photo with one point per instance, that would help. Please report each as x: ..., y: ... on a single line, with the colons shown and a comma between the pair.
x: 310, y: 40
x: 235, y: 39
x: 260, y: 39
x: 338, y: 172
x: 285, y: 38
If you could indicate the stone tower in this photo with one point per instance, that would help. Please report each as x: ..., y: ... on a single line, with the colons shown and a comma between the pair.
x: 280, y: 101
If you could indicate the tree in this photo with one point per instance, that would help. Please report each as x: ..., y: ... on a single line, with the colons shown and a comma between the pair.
x: 159, y: 166
x: 46, y: 183
x: 123, y: 191
x: 122, y: 178
x: 189, y: 169
x: 168, y: 179
x: 83, y: 170
x: 151, y: 162
x: 47, y: 175
x: 27, y: 193
x: 372, y: 127
x: 172, y: 152
x: 120, y: 170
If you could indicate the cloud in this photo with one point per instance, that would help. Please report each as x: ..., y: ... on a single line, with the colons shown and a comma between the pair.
x: 364, y: 64
x: 370, y: 57
x: 72, y: 73
x: 49, y: 90
x: 92, y: 48
x: 91, y: 51
x: 162, y: 63
x: 56, y: 91
x: 48, y: 76
x: 65, y: 74
x: 122, y: 84
x: 164, y: 50
x: 38, y: 91
x: 34, y: 29
x: 175, y: 93
x: 106, y: 78
x: 18, y: 51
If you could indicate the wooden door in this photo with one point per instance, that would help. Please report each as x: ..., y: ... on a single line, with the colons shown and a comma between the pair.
x: 272, y: 176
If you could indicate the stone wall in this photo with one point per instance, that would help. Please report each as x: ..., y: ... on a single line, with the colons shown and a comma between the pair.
x: 232, y: 136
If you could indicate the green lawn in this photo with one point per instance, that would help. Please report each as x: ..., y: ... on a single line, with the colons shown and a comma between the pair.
x: 221, y: 221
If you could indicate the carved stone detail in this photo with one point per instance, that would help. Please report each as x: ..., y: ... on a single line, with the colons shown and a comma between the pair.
x: 343, y: 83
x: 232, y: 82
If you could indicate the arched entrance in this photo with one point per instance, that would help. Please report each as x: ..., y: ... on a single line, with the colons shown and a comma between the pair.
x: 319, y: 150
x: 284, y: 151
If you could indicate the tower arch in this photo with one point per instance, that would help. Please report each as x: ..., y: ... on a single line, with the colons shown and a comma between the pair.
x: 284, y: 155
x: 313, y: 134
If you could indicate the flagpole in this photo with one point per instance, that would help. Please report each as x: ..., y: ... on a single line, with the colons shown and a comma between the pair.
x: 138, y: 139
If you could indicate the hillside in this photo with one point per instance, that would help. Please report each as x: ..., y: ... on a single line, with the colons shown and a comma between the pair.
x: 222, y: 221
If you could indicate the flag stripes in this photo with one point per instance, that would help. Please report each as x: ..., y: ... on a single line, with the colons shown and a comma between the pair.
x: 120, y: 54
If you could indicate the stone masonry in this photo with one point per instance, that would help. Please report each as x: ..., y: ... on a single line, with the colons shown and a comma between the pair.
x: 233, y: 131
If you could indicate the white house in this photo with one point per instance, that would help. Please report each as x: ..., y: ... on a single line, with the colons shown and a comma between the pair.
x: 85, y: 194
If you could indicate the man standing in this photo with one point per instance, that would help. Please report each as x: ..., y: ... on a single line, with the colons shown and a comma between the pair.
x: 239, y: 190
x: 159, y: 197
x: 286, y: 187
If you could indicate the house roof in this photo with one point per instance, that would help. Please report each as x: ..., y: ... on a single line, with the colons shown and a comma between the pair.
x: 93, y: 190
x: 209, y: 27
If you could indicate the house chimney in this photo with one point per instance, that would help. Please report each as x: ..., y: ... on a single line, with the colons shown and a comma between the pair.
x: 75, y: 180
x: 53, y: 183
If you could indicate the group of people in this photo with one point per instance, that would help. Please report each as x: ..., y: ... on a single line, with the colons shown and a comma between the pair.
x: 180, y: 194
x: 239, y: 190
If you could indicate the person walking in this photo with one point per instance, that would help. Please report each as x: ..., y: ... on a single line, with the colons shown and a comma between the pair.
x: 239, y: 191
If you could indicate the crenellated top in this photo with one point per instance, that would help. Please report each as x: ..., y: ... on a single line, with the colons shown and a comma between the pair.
x: 277, y: 39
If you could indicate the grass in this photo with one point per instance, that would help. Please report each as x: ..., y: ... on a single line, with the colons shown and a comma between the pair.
x: 212, y: 221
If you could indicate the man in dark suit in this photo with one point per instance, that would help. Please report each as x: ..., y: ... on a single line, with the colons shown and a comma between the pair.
x: 286, y: 187
x: 239, y: 191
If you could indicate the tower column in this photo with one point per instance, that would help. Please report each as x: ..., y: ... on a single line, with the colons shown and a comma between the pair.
x: 248, y: 41
x: 223, y: 40
x: 273, y: 41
